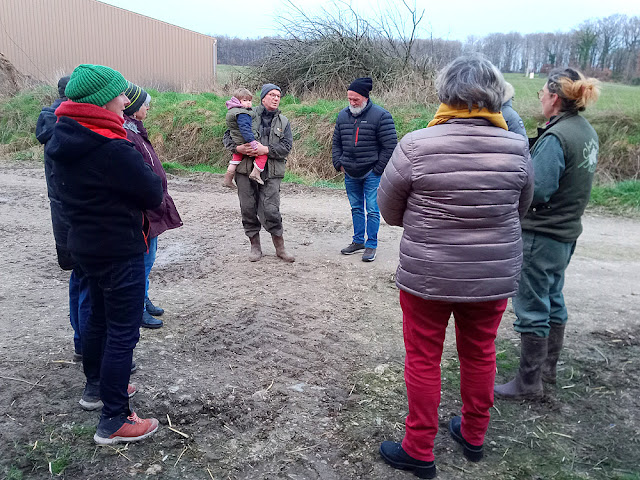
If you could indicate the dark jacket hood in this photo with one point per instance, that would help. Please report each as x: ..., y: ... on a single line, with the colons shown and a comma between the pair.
x: 72, y: 141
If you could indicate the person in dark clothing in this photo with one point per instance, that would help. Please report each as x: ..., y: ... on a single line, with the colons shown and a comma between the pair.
x: 260, y: 204
x: 104, y: 186
x: 564, y: 155
x: 363, y: 141
x: 166, y: 216
x: 79, y: 297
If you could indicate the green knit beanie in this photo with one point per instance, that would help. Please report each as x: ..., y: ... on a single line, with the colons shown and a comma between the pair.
x: 95, y: 84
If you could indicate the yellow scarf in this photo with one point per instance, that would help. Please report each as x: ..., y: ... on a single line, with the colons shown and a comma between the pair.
x: 446, y: 112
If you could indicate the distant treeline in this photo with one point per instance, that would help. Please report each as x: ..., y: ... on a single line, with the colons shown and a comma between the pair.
x: 606, y: 47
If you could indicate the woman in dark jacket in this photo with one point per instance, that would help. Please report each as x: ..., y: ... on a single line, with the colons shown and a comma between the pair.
x: 459, y: 188
x: 564, y: 155
x: 164, y: 217
x: 104, y: 186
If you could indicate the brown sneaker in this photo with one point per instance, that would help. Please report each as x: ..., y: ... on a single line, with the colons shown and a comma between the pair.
x: 132, y: 429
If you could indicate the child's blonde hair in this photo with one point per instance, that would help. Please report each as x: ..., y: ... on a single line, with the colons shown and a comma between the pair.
x: 243, y: 94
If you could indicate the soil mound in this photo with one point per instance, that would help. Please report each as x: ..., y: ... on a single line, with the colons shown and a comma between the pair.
x: 11, y: 80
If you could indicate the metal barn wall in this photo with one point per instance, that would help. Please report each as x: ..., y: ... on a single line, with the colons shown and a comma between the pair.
x: 49, y: 38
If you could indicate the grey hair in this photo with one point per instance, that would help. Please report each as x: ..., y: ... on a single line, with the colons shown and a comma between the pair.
x: 147, y: 101
x: 471, y: 81
x: 509, y: 92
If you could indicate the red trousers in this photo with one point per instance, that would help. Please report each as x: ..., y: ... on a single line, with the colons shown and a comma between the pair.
x: 424, y: 324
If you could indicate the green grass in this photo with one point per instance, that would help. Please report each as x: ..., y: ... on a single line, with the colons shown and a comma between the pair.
x: 187, y: 129
x: 620, y: 198
x: 19, y: 114
x: 615, y: 100
x: 14, y: 473
x: 228, y: 73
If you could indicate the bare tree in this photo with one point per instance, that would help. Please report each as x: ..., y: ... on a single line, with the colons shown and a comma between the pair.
x: 324, y: 52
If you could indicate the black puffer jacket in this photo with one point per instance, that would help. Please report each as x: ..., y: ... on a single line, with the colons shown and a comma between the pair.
x: 365, y: 142
x: 104, y: 185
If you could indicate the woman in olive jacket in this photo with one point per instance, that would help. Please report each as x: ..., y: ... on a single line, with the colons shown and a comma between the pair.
x: 459, y: 188
x: 564, y: 156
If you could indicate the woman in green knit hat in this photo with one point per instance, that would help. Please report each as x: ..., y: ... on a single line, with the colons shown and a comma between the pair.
x: 104, y: 186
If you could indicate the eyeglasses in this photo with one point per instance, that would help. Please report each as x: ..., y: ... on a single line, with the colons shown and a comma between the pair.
x: 273, y: 95
x: 541, y: 93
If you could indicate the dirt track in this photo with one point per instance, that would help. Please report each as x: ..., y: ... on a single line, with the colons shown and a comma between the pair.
x: 274, y: 370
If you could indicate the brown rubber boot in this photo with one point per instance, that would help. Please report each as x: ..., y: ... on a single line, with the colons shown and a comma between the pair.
x: 228, y: 179
x: 255, y: 175
x: 256, y: 250
x: 278, y: 242
x: 556, y: 339
x: 528, y: 381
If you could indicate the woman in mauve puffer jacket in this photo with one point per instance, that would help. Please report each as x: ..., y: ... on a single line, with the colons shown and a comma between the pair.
x: 459, y: 188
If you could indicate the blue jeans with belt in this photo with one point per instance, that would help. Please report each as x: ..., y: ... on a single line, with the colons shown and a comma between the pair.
x: 363, y: 194
x: 113, y: 329
x: 539, y: 301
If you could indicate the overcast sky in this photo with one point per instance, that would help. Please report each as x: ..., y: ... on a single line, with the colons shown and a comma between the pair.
x: 452, y: 19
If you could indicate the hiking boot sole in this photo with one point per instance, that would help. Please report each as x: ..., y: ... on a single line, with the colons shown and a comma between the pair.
x: 88, y: 406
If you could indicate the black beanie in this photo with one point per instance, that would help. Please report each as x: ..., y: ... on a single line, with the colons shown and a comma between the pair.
x: 137, y: 96
x: 362, y: 86
x: 62, y: 84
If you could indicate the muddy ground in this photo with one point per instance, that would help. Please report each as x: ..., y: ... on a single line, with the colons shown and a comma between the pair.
x: 294, y: 371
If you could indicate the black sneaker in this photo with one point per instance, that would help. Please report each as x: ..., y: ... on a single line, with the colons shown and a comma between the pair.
x: 474, y: 453
x: 352, y: 248
x: 394, y: 455
x: 369, y: 255
x: 91, y: 396
x: 152, y: 309
x: 150, y: 322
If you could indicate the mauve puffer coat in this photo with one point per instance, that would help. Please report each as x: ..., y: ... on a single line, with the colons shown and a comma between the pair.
x: 459, y: 189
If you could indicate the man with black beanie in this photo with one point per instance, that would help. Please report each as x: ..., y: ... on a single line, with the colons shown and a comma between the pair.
x: 363, y: 141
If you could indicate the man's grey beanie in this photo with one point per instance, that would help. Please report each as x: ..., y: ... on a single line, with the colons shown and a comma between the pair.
x: 266, y: 88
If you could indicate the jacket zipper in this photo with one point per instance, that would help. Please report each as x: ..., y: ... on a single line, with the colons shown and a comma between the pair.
x: 357, y: 130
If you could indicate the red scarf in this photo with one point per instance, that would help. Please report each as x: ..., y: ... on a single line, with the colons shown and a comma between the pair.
x: 93, y: 117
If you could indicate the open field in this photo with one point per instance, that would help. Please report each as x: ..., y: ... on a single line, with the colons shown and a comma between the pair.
x: 294, y: 371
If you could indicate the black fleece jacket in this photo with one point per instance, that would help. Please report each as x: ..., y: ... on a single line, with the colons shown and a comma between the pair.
x: 104, y: 185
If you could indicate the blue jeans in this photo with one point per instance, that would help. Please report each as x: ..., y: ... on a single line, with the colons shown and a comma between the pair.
x: 539, y: 301
x: 113, y: 329
x: 363, y: 193
x: 149, y: 260
x: 79, y: 305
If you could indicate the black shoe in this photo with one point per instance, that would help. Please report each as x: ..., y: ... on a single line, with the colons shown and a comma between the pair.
x: 352, y: 248
x: 150, y: 322
x: 152, y: 309
x: 394, y: 455
x: 369, y: 255
x: 474, y: 453
x: 134, y: 367
x: 77, y: 357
